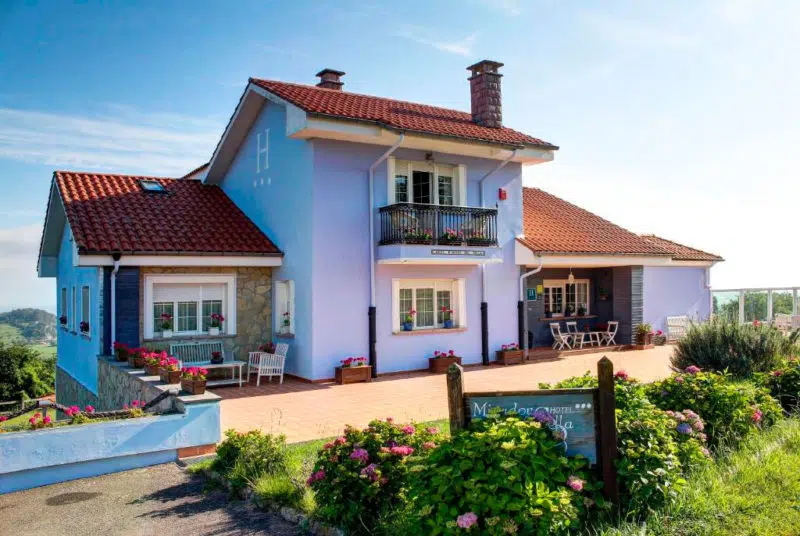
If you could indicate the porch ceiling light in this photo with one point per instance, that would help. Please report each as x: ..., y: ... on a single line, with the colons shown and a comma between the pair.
x: 571, y: 278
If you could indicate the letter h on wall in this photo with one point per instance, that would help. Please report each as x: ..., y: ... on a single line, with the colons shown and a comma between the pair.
x: 262, y: 153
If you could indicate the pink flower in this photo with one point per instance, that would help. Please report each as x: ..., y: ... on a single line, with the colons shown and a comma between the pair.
x: 705, y: 452
x: 756, y: 417
x: 575, y: 483
x: 328, y: 445
x: 46, y: 419
x: 622, y: 375
x: 429, y: 445
x: 89, y: 409
x: 432, y: 430
x: 32, y: 420
x: 341, y: 440
x: 679, y: 379
x: 436, y: 353
x: 465, y: 521
x: 3, y: 418
x: 360, y: 455
x: 408, y: 429
x: 390, y: 420
x: 125, y: 406
x: 319, y: 475
x: 402, y: 451
x: 692, y: 369
x: 777, y: 373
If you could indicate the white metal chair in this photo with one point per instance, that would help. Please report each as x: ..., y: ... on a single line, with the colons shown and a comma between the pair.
x: 607, y: 338
x: 264, y: 364
x: 560, y: 340
x: 575, y: 335
x: 676, y: 327
x: 281, y: 348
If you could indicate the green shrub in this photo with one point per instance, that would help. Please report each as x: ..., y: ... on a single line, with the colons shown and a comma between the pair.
x: 280, y: 489
x: 244, y: 457
x: 361, y: 478
x: 784, y: 385
x: 24, y: 373
x: 506, y: 475
x: 626, y: 389
x: 739, y: 349
x: 731, y: 410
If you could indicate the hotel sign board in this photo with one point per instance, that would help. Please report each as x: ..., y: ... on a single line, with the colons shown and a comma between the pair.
x: 459, y: 252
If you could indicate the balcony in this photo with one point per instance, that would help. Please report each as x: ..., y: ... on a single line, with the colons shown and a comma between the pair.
x: 420, y: 224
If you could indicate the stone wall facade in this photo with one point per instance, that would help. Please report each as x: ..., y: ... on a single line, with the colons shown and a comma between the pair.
x: 117, y: 386
x: 70, y: 392
x: 253, y: 308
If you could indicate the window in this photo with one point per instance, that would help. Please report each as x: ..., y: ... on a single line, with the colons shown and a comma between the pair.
x: 284, y: 307
x: 426, y: 182
x: 74, y: 312
x: 262, y: 151
x: 64, y: 305
x: 151, y: 186
x: 189, y: 300
x: 427, y: 297
x: 86, y: 302
x: 561, y: 298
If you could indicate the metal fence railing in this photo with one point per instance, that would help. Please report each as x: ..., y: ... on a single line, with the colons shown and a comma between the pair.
x: 745, y: 305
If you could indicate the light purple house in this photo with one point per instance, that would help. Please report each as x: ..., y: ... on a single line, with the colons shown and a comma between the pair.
x: 398, y: 229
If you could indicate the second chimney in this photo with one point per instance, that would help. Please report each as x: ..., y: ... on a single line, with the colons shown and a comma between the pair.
x: 484, y: 86
x: 330, y: 79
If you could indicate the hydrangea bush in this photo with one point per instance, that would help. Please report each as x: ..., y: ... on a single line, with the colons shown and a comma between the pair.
x: 784, y: 384
x: 361, y: 478
x: 731, y: 410
x: 505, y: 475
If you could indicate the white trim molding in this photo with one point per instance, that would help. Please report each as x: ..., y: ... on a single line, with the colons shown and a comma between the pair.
x: 525, y: 257
x: 180, y: 260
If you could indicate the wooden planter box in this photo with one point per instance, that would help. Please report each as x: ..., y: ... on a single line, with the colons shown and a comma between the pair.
x: 136, y: 361
x: 193, y: 387
x: 353, y: 374
x: 644, y: 340
x: 151, y: 370
x: 509, y: 357
x: 439, y: 365
x: 170, y: 376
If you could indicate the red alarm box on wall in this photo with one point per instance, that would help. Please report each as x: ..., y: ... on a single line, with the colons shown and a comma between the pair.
x: 502, y: 194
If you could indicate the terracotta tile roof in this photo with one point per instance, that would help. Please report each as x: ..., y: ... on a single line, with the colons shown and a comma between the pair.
x: 681, y: 252
x: 395, y: 114
x: 112, y: 213
x: 552, y: 225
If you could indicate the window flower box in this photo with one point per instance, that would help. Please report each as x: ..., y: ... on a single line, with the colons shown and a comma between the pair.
x: 152, y: 363
x: 353, y: 370
x: 510, y: 354
x: 441, y: 361
x: 193, y: 380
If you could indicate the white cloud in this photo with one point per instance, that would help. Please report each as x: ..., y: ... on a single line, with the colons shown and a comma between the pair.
x: 462, y: 47
x: 635, y: 33
x: 19, y: 248
x: 122, y: 139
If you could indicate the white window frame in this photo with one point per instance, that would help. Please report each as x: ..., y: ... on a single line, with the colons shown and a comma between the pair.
x: 562, y: 284
x: 86, y: 308
x: 262, y: 151
x: 64, y: 307
x: 228, y: 307
x: 284, y: 302
x: 74, y: 316
x: 458, y: 300
x: 407, y: 167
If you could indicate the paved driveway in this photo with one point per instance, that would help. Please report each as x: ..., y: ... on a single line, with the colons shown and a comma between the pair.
x: 306, y: 411
x: 160, y: 501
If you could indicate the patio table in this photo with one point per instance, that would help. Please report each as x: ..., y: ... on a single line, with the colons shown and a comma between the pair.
x: 233, y: 366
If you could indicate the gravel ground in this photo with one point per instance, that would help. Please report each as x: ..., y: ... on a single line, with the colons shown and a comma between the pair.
x: 161, y: 500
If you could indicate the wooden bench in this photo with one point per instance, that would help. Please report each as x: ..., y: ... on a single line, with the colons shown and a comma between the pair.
x: 198, y: 354
x: 676, y: 327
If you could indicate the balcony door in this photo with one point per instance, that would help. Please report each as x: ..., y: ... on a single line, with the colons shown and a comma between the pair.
x: 426, y: 183
x: 422, y: 187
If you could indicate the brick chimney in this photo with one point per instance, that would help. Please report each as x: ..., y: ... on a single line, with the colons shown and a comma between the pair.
x: 329, y: 79
x: 484, y: 86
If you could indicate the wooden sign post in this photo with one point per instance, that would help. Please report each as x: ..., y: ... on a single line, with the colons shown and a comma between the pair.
x: 585, y: 417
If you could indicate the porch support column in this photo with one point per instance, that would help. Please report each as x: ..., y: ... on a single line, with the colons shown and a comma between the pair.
x: 741, y: 306
x: 485, y: 332
x: 521, y: 324
x: 794, y: 302
x: 373, y: 339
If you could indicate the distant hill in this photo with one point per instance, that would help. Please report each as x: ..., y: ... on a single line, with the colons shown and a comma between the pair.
x: 33, y: 326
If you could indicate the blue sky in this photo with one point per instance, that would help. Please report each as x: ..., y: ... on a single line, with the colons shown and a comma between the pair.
x: 678, y: 118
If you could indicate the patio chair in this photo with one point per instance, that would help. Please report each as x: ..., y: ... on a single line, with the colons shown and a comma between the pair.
x: 264, y: 364
x: 608, y: 336
x: 575, y: 335
x: 561, y: 341
x: 281, y: 348
x: 676, y: 327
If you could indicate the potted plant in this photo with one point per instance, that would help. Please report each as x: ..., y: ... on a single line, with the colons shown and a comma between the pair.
x: 169, y: 370
x: 268, y: 347
x: 569, y: 310
x: 193, y: 380
x: 63, y: 320
x: 408, y: 324
x: 287, y: 323
x: 121, y: 351
x: 447, y: 316
x: 418, y: 236
x: 451, y: 236
x: 644, y: 334
x: 509, y: 354
x: 216, y: 358
x: 353, y: 370
x: 152, y: 362
x: 84, y: 326
x: 441, y: 361
x: 136, y: 357
x: 581, y: 310
x: 659, y: 339
x: 216, y: 324
x: 166, y: 325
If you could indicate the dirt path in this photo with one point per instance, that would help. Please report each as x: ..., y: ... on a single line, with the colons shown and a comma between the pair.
x: 160, y: 501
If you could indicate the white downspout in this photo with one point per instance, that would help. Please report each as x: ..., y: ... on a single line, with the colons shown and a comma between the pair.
x: 710, y: 293
x: 522, y: 279
x: 114, y: 301
x: 371, y: 211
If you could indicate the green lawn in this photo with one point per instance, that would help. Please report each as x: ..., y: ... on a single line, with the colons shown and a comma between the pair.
x: 44, y: 350
x: 9, y: 334
x: 754, y: 491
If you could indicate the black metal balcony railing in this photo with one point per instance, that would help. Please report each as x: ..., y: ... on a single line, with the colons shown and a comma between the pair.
x: 412, y: 223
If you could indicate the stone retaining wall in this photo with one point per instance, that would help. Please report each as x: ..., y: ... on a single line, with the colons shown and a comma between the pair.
x: 118, y: 385
x: 70, y: 392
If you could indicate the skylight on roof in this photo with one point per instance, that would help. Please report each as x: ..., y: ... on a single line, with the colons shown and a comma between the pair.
x: 151, y: 186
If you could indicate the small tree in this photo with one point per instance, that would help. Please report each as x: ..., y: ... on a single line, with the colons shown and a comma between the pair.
x: 23, y: 373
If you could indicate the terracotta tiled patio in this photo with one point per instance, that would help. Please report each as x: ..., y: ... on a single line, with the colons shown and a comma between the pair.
x: 306, y: 411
